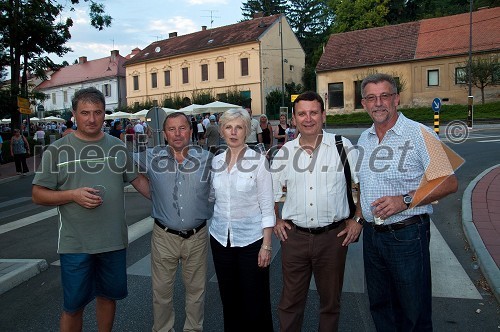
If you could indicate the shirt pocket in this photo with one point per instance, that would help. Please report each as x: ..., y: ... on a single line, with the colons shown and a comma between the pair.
x: 216, y: 180
x: 245, y: 182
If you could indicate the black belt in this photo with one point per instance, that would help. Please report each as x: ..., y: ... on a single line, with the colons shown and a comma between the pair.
x: 316, y: 230
x: 184, y: 234
x: 400, y: 224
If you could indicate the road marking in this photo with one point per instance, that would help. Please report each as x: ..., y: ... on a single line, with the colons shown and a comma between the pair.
x: 488, y: 141
x: 14, y: 201
x: 27, y: 221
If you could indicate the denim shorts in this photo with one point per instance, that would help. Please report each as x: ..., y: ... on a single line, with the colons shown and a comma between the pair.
x: 86, y: 276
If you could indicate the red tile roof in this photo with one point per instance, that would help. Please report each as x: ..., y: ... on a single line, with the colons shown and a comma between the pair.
x: 87, y: 71
x: 239, y: 33
x: 450, y: 35
x: 423, y: 39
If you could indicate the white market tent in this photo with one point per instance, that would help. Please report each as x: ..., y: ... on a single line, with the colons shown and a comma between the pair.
x: 218, y: 107
x: 5, y: 121
x: 142, y: 114
x: 52, y: 119
x: 118, y: 115
x: 192, y: 109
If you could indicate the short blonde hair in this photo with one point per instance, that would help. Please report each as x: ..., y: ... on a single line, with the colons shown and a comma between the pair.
x: 234, y: 114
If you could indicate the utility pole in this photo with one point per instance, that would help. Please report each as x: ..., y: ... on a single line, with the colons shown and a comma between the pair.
x: 470, y: 98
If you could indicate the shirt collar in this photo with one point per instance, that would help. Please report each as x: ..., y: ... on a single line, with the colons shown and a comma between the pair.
x: 398, y: 127
x: 247, y: 160
x: 327, y: 139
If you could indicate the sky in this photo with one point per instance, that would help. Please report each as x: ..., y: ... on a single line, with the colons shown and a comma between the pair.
x: 139, y: 23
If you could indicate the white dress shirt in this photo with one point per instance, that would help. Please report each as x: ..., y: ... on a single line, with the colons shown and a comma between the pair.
x: 316, y: 188
x: 243, y: 199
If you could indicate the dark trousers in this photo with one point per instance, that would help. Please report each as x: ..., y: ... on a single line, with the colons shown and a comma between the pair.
x: 243, y: 287
x: 398, y: 277
x: 20, y: 161
x: 302, y: 255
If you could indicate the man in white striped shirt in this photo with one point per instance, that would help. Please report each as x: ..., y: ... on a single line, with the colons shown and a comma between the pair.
x: 314, y: 227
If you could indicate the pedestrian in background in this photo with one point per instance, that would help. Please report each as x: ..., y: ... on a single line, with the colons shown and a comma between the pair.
x: 396, y: 205
x: 212, y: 135
x: 20, y: 150
x: 241, y: 228
x: 267, y: 131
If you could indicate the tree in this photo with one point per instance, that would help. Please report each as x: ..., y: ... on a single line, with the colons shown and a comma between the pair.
x: 30, y: 29
x: 267, y: 7
x: 359, y: 14
x: 484, y: 71
x: 311, y: 21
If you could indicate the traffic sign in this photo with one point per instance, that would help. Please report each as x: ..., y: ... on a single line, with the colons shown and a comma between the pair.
x: 23, y: 110
x: 293, y: 97
x: 23, y: 102
x: 436, y: 105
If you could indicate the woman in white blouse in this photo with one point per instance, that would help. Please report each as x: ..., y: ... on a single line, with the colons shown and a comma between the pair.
x: 241, y: 228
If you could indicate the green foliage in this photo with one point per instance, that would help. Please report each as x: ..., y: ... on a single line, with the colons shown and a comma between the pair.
x: 273, y: 104
x: 484, y: 112
x: 484, y: 71
x: 202, y: 97
x: 359, y: 14
x: 267, y: 7
x: 29, y: 32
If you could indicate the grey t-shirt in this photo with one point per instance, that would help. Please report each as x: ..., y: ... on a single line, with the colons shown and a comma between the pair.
x: 71, y: 163
x: 212, y: 135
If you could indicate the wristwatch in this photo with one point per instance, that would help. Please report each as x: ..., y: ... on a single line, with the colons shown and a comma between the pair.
x: 359, y: 220
x: 407, y: 199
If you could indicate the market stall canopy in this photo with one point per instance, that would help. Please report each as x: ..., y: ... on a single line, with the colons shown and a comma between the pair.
x: 52, y: 119
x: 142, y: 114
x: 119, y: 115
x: 192, y: 109
x: 6, y: 121
x: 218, y: 107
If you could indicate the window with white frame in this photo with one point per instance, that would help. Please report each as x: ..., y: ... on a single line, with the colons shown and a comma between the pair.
x: 136, y: 82
x: 204, y: 72
x: 185, y: 75
x: 433, y: 77
x: 220, y: 70
x: 154, y: 80
x: 166, y: 75
x: 244, y: 66
x: 106, y: 90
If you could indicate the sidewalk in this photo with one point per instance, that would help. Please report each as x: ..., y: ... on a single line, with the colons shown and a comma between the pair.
x: 481, y: 223
x: 8, y: 171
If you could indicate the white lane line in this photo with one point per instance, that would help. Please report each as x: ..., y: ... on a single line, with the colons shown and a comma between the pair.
x: 487, y: 141
x: 449, y: 278
x: 27, y: 221
x: 135, y: 231
x: 14, y: 201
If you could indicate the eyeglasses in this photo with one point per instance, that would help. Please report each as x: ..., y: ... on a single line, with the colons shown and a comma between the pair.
x: 383, y: 97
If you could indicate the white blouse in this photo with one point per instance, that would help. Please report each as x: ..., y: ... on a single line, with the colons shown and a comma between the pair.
x: 244, y: 203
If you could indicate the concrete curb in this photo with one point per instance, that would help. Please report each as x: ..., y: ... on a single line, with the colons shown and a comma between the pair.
x: 486, y: 262
x: 17, y: 271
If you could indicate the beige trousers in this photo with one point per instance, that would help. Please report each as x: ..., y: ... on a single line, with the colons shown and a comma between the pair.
x: 167, y: 252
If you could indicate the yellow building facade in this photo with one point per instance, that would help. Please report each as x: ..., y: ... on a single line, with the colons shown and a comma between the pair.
x: 244, y: 57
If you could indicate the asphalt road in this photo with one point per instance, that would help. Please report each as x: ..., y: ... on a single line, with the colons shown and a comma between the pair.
x: 460, y: 298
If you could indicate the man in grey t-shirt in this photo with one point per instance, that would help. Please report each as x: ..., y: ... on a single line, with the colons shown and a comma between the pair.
x: 179, y: 176
x: 74, y: 174
x: 255, y: 135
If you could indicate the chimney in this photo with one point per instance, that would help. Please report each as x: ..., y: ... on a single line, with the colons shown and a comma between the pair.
x: 82, y: 60
x: 114, y: 54
x: 172, y: 34
x: 258, y: 14
x: 203, y: 28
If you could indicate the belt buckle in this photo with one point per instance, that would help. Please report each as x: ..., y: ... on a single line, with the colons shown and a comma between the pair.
x: 184, y: 234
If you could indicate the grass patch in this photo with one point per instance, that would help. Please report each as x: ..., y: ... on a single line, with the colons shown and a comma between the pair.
x: 489, y: 111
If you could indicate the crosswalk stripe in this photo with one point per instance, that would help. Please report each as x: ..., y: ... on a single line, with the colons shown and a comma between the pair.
x: 14, y: 201
x: 27, y: 221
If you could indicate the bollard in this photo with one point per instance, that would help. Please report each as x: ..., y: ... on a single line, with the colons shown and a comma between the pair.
x: 436, y: 123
